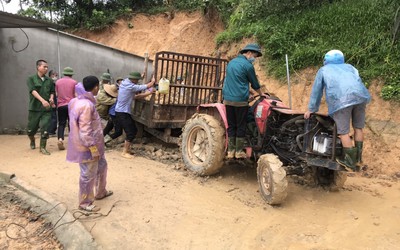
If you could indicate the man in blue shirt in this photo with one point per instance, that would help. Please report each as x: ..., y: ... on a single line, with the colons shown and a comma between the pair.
x: 346, y: 96
x: 126, y: 94
x: 239, y: 74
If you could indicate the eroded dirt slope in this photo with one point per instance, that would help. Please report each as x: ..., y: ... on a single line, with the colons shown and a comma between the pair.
x: 191, y: 33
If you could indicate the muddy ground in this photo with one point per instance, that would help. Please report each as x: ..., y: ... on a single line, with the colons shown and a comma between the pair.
x: 20, y: 227
x: 162, y: 206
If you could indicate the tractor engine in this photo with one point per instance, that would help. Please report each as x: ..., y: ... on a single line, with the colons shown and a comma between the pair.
x: 291, y: 136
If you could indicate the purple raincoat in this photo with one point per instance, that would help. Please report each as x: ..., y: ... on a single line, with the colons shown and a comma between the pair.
x: 79, y: 89
x: 86, y: 131
x: 85, y: 128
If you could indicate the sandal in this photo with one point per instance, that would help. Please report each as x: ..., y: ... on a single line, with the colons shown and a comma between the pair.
x: 60, y: 145
x: 90, y: 208
x: 109, y: 193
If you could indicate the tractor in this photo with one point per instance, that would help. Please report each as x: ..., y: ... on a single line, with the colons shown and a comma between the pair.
x: 279, y: 140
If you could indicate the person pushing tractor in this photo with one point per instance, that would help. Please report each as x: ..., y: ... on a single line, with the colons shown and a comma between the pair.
x: 347, y: 97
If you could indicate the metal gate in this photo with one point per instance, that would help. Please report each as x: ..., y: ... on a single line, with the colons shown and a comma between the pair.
x: 202, y: 78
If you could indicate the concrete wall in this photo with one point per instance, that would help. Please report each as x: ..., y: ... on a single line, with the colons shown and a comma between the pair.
x: 85, y: 57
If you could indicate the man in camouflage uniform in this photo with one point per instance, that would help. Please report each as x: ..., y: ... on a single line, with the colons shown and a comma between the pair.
x: 41, y: 99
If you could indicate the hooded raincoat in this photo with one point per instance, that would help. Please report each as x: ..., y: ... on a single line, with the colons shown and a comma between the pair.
x: 85, y: 128
x: 79, y: 89
x: 342, y: 84
x: 85, y: 132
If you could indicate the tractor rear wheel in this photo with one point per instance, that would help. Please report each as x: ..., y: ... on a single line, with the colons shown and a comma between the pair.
x: 272, y: 179
x: 339, y: 178
x: 203, y: 144
x: 330, y: 179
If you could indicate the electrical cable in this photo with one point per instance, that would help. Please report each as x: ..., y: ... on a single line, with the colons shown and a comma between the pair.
x: 26, y: 46
x: 48, y: 231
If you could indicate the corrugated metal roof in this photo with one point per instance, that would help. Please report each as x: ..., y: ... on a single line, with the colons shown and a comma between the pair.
x: 8, y: 20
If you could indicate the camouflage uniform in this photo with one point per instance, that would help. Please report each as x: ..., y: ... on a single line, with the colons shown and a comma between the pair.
x: 39, y: 116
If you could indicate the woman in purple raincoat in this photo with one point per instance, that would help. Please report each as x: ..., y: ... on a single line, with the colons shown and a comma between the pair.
x: 86, y: 145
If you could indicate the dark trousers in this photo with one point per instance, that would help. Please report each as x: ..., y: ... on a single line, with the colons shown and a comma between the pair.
x: 109, y: 126
x: 237, y: 121
x: 53, y: 121
x: 113, y: 124
x: 127, y: 124
x: 62, y: 120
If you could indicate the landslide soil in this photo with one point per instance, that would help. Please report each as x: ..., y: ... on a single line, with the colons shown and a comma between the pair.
x: 21, y: 228
x: 159, y: 205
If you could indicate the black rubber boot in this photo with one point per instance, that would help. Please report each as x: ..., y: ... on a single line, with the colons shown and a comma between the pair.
x: 359, y: 146
x: 231, y: 148
x: 348, y: 159
x: 33, y: 143
x: 43, y: 150
x: 240, y: 154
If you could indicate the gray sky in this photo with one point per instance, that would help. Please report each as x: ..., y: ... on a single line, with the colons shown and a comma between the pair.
x: 12, y: 7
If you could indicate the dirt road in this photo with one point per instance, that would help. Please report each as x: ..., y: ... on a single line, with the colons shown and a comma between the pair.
x: 160, y: 207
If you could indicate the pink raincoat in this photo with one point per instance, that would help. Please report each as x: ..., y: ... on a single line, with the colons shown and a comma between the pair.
x: 85, y: 128
x: 86, y: 131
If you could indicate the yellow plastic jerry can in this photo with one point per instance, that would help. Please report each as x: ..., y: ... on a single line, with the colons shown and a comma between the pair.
x: 163, y: 86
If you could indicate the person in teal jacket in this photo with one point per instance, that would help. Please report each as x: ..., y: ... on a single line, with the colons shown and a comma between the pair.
x: 346, y: 96
x: 240, y: 74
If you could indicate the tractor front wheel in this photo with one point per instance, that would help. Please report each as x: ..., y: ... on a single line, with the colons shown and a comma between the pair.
x: 272, y: 179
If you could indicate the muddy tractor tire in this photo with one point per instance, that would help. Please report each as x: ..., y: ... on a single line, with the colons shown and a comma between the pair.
x: 272, y: 179
x: 203, y: 144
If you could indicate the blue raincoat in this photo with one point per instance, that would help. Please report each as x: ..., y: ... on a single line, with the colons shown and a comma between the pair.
x: 342, y: 84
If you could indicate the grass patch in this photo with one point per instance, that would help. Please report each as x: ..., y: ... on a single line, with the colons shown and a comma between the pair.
x: 362, y: 29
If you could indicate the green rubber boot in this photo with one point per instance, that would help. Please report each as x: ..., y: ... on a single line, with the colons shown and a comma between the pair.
x: 240, y: 154
x: 348, y: 159
x: 359, y: 146
x: 33, y: 143
x: 43, y: 150
x: 231, y: 147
